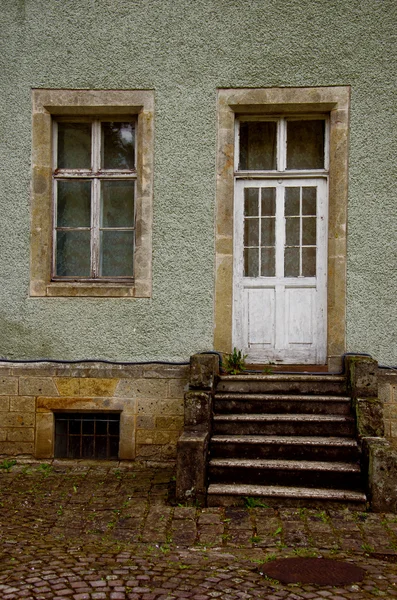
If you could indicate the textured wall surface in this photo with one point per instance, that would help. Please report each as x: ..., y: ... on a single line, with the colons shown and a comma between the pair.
x: 184, y: 50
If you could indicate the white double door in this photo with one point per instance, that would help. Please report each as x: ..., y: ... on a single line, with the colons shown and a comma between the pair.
x: 280, y: 270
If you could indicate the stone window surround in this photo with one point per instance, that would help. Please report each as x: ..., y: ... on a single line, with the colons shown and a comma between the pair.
x: 51, y: 103
x: 334, y: 101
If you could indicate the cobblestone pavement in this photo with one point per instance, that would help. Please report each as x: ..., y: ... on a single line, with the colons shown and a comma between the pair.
x: 106, y: 531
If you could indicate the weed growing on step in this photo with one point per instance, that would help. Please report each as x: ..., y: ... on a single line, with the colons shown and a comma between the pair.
x: 254, y: 503
x: 235, y: 362
x: 7, y: 464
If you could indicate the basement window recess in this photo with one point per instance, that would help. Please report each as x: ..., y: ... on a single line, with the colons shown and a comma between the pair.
x: 87, y: 435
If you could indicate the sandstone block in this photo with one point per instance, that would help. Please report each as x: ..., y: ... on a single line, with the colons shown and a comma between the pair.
x: 37, y: 386
x: 3, y: 434
x: 16, y: 448
x: 20, y: 434
x: 44, y: 435
x: 362, y: 372
x: 67, y: 386
x: 4, y: 404
x: 177, y: 388
x: 8, y: 386
x: 198, y: 408
x: 142, y: 388
x: 127, y: 437
x: 145, y: 422
x: 191, y: 475
x: 98, y: 387
x: 171, y: 407
x: 156, y: 436
x: 169, y: 423
x: 166, y: 372
x: 204, y: 368
x: 18, y: 419
x: 369, y: 417
x: 381, y: 462
x: 22, y: 404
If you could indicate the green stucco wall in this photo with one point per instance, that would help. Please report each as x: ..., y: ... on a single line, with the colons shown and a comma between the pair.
x: 184, y: 50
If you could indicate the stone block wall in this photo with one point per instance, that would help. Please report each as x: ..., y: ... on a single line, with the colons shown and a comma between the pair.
x: 149, y: 398
x: 387, y: 393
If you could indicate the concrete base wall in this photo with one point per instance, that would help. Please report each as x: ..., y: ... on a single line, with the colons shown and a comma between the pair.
x: 149, y: 398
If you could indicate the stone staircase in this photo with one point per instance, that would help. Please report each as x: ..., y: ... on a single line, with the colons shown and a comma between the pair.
x: 284, y: 439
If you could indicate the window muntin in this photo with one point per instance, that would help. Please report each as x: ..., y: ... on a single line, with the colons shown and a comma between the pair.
x: 94, y: 199
x: 282, y: 144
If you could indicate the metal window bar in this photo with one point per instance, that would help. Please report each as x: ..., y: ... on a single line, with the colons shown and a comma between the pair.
x: 87, y: 435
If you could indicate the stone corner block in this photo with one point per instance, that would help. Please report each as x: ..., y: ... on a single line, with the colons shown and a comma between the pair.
x: 369, y: 417
x: 204, y: 368
x: 362, y: 376
x: 198, y: 408
x: 191, y: 475
x: 380, y: 458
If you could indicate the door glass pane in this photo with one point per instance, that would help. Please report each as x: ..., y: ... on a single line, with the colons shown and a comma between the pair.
x: 268, y: 201
x: 292, y: 231
x: 251, y: 232
x: 268, y: 236
x: 291, y: 262
x: 305, y: 144
x: 118, y: 145
x: 251, y: 204
x: 117, y: 253
x: 74, y: 203
x: 309, y: 231
x: 74, y: 145
x: 268, y: 263
x: 117, y: 203
x: 258, y: 145
x: 292, y: 201
x: 309, y: 262
x: 73, y: 254
x: 309, y: 195
x: 251, y: 262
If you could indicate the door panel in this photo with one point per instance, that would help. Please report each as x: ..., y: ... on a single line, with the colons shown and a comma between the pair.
x: 280, y: 259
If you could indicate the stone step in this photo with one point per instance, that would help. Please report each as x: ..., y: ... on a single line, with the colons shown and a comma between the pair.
x: 324, y: 474
x: 281, y: 424
x: 337, y: 449
x: 283, y: 384
x: 279, y: 403
x: 232, y: 495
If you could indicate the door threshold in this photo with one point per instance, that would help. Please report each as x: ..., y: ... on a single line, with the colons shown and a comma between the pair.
x: 287, y: 368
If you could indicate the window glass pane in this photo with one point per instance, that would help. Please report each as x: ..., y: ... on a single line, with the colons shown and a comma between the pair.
x: 118, y: 145
x: 117, y: 253
x: 74, y: 203
x: 251, y: 232
x: 309, y: 231
x: 291, y: 262
x: 309, y: 262
x: 251, y: 262
x: 75, y: 426
x: 113, y: 448
x: 292, y: 231
x: 73, y: 254
x: 292, y: 196
x: 87, y: 450
x: 74, y: 145
x: 268, y: 201
x: 258, y: 145
x: 268, y: 263
x: 309, y: 195
x: 74, y: 447
x: 117, y: 202
x: 114, y: 427
x: 268, y: 231
x: 88, y: 425
x: 251, y: 201
x: 305, y: 144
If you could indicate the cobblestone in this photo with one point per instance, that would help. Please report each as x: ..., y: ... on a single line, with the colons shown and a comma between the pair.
x: 108, y: 531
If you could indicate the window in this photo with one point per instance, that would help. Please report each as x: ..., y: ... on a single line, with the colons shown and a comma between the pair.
x: 92, y: 193
x: 94, y: 190
x: 281, y: 241
x: 87, y: 435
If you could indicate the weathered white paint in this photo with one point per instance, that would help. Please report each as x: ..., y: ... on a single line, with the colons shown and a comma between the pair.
x: 281, y: 319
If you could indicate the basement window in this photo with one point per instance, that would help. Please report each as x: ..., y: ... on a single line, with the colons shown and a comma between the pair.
x: 87, y: 435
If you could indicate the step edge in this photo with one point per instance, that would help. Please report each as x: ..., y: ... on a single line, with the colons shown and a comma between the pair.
x: 285, y: 492
x: 303, y: 465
